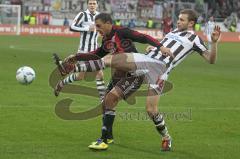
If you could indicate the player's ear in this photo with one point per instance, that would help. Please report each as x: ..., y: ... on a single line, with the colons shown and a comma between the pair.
x: 191, y: 23
x: 108, y: 23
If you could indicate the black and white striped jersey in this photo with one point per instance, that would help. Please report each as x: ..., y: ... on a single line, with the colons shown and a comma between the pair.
x: 81, y: 23
x: 181, y: 44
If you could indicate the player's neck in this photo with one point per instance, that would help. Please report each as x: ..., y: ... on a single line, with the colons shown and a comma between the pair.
x: 189, y: 29
x: 109, y: 30
x: 183, y: 30
x: 93, y: 12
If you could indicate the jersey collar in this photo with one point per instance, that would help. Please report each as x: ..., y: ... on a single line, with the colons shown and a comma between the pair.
x: 87, y: 11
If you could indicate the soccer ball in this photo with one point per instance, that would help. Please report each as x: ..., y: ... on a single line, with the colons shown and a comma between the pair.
x: 25, y: 75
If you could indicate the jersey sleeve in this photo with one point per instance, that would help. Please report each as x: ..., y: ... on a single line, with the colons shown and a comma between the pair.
x: 198, y: 45
x: 136, y: 36
x: 100, y: 52
x: 76, y: 25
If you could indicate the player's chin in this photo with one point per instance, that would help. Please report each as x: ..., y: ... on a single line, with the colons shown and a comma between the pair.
x: 179, y: 28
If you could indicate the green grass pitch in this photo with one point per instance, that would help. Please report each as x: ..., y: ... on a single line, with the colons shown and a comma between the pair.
x: 202, y: 109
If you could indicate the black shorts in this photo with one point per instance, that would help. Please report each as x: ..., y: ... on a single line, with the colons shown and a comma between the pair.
x: 126, y: 83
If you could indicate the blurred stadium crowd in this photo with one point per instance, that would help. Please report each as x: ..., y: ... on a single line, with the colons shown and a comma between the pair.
x: 132, y: 13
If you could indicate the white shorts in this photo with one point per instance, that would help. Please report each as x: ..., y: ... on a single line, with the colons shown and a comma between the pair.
x: 82, y: 51
x: 153, y: 69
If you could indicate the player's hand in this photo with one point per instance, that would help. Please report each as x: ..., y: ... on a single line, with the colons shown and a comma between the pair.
x: 166, y: 51
x: 149, y: 48
x: 216, y: 34
x: 92, y: 28
x: 70, y: 59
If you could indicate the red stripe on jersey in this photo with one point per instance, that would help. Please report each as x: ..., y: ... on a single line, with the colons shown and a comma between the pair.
x: 118, y: 43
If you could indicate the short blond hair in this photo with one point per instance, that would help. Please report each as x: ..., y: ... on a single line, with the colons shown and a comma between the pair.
x: 192, y: 15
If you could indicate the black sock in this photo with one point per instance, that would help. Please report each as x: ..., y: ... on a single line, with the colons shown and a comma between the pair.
x: 108, y: 119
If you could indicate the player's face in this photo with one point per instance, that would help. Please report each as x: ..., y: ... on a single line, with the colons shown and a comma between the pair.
x: 92, y: 6
x: 103, y: 28
x: 211, y: 19
x: 183, y: 23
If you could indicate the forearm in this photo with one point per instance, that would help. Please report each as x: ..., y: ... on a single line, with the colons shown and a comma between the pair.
x: 75, y: 28
x: 136, y: 36
x: 86, y: 57
x: 213, y: 53
x: 76, y: 25
x: 151, y: 41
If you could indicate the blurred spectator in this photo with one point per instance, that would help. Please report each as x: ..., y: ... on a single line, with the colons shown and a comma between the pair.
x: 197, y: 27
x: 167, y: 24
x: 208, y: 29
x: 118, y: 22
x: 32, y: 20
x: 65, y: 22
x: 150, y: 23
x: 132, y: 23
x: 45, y: 20
x: 26, y: 18
x: 199, y: 23
x: 231, y: 22
x: 199, y: 6
x: 222, y: 8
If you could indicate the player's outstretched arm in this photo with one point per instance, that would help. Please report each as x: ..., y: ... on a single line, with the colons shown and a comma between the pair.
x: 211, y: 55
x: 93, y: 55
x: 76, y: 27
x: 136, y: 36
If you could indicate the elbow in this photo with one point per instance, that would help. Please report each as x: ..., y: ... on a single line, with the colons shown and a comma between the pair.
x: 71, y: 29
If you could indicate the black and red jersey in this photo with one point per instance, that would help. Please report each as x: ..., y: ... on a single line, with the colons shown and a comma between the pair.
x: 121, y: 39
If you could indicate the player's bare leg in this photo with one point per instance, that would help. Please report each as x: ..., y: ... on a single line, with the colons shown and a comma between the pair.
x: 152, y: 110
x: 123, y: 62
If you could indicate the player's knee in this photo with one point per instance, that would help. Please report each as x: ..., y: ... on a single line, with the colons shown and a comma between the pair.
x: 80, y: 76
x: 110, y: 101
x: 150, y: 111
x: 124, y: 62
x: 108, y: 60
x: 99, y: 75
